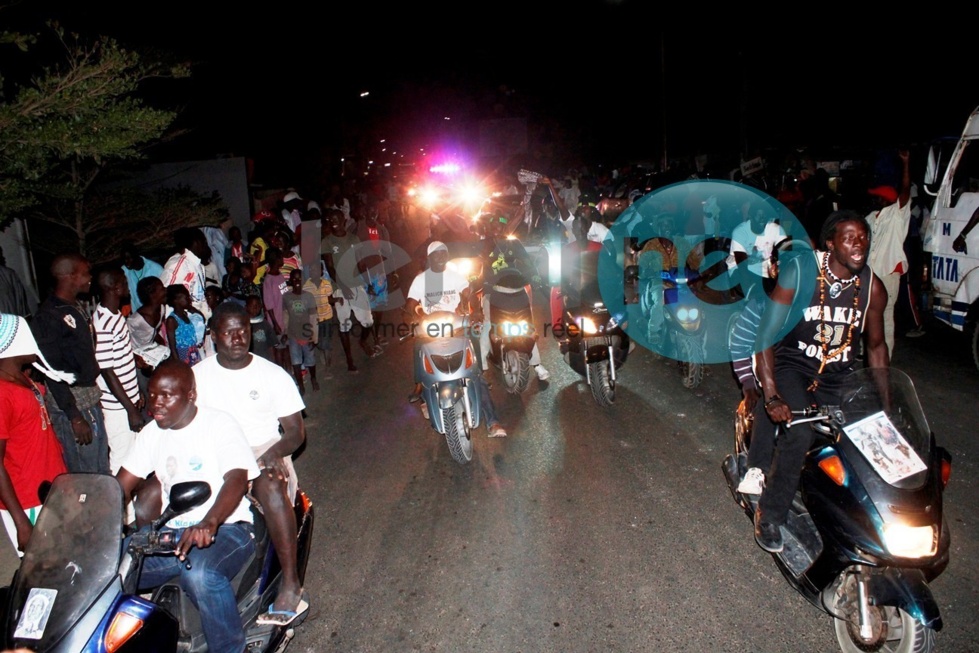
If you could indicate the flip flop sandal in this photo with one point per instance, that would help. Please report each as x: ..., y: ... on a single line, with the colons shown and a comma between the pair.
x: 282, y: 617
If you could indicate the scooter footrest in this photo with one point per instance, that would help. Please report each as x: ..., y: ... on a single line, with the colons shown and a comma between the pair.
x: 801, y: 543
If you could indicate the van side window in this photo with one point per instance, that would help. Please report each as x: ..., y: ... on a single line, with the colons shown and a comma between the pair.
x: 966, y: 179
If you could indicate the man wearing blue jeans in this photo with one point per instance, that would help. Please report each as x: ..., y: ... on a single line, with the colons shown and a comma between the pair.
x: 187, y: 443
x: 64, y: 336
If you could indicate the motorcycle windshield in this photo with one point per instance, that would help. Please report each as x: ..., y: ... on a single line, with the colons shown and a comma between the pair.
x: 72, y: 556
x: 884, y: 420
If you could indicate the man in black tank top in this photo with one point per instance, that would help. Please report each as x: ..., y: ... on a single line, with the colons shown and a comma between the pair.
x: 808, y: 364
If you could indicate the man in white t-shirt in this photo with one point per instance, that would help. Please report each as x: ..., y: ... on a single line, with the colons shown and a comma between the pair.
x: 187, y: 443
x: 753, y: 241
x: 437, y: 289
x: 262, y: 397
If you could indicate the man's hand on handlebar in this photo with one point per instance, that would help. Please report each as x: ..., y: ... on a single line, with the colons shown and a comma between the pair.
x: 778, y: 410
x: 200, y: 535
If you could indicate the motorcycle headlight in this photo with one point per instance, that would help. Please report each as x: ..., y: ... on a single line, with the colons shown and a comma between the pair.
x: 910, y: 541
x: 514, y: 329
x: 587, y: 325
x: 463, y: 266
x: 689, y: 318
x: 688, y: 314
x: 429, y: 197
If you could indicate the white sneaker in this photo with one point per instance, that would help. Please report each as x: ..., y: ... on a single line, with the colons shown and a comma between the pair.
x: 753, y: 482
x: 542, y: 373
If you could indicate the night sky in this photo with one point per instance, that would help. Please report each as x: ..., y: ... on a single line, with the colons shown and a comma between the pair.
x: 281, y: 83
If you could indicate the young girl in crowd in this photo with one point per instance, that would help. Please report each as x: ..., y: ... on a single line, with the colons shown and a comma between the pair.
x: 185, y: 326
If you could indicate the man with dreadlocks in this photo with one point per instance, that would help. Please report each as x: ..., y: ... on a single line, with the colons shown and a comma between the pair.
x: 809, y: 363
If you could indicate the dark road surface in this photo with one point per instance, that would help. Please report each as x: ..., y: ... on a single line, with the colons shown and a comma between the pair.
x: 585, y: 530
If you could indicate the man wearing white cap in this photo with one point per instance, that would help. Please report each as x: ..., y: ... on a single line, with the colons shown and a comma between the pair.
x: 292, y: 210
x: 29, y: 450
x: 438, y: 288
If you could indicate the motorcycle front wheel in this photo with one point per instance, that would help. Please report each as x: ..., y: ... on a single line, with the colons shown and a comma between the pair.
x: 894, y: 631
x: 691, y: 363
x: 516, y: 371
x: 602, y: 385
x: 458, y: 435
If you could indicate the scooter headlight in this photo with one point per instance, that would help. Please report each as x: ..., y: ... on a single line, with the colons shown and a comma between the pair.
x: 514, y: 329
x: 587, y: 325
x: 910, y: 541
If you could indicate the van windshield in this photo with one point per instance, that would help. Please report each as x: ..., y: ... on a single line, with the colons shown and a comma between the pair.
x: 966, y: 178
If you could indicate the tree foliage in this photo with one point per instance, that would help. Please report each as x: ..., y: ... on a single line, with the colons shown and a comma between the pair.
x: 62, y: 130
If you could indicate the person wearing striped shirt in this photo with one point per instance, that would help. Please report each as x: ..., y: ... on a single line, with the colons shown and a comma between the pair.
x: 121, y: 401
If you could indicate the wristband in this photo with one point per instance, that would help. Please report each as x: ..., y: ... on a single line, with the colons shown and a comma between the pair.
x: 772, y: 400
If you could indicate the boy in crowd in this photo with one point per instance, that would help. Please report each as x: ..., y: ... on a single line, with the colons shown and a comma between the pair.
x: 321, y: 288
x: 262, y: 333
x: 300, y: 316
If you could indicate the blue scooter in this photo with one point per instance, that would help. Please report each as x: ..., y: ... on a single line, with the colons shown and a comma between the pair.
x: 76, y: 588
x: 448, y: 369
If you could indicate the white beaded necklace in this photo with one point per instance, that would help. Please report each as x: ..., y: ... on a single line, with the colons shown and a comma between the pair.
x: 836, y: 288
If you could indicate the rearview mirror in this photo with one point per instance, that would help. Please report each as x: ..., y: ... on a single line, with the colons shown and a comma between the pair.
x: 183, y: 498
x: 931, y: 167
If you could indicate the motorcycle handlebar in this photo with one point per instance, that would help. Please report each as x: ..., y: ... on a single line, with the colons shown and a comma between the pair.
x: 153, y: 542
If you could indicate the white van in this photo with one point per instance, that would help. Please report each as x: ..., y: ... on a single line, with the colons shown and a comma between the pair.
x: 953, y: 288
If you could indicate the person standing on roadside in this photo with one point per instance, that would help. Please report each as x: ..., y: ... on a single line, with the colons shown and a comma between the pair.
x: 29, y: 449
x: 122, y: 402
x: 888, y: 228
x: 186, y: 267
x: 136, y: 268
x: 64, y: 336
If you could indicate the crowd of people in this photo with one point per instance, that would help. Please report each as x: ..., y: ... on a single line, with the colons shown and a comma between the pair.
x: 237, y: 324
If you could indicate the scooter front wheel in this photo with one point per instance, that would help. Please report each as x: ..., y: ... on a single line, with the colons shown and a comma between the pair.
x: 458, y: 435
x: 602, y: 385
x: 894, y: 631
x: 516, y: 371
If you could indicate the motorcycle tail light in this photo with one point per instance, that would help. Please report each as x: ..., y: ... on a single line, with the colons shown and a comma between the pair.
x: 122, y: 628
x: 946, y: 471
x: 910, y: 541
x: 832, y: 466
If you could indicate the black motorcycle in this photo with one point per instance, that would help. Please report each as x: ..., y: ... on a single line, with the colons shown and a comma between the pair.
x: 866, y: 532
x: 594, y: 342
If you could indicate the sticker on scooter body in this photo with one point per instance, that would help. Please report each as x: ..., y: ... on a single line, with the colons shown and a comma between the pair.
x: 37, y: 609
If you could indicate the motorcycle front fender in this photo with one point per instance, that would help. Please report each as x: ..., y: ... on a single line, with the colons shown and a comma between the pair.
x: 449, y: 393
x: 908, y: 590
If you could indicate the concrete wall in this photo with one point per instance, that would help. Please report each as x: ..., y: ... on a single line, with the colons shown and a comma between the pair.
x: 14, y: 242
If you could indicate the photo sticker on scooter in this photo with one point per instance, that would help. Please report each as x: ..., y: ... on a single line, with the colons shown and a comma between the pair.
x: 37, y: 609
x: 682, y: 264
